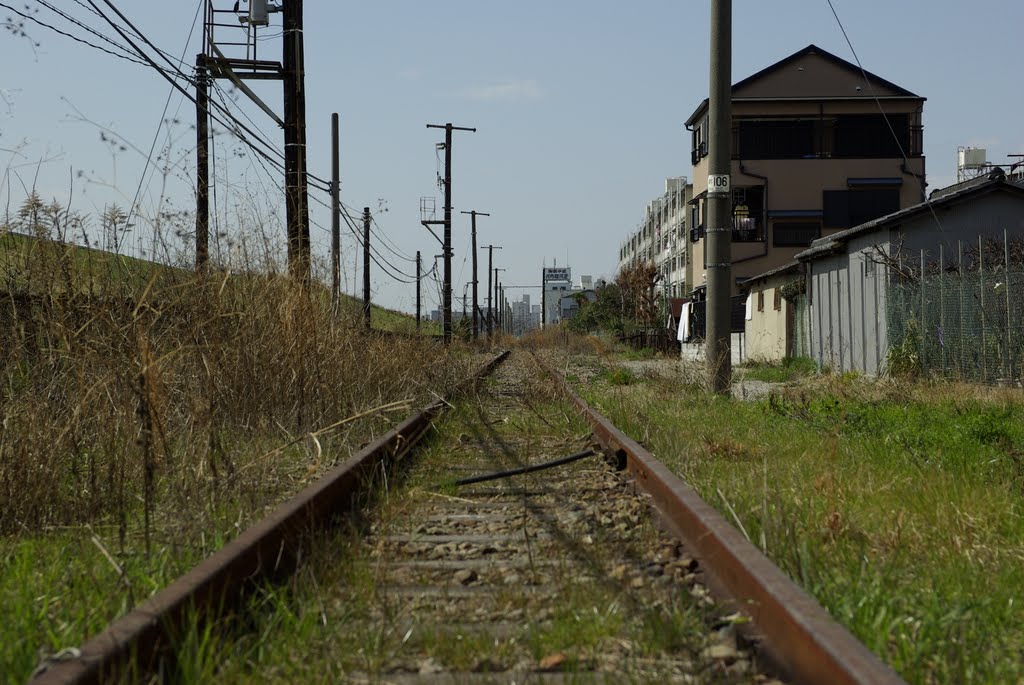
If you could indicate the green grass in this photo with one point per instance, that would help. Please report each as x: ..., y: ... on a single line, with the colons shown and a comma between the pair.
x: 632, y: 354
x: 789, y: 369
x: 38, y: 266
x: 899, y: 507
x: 35, y: 266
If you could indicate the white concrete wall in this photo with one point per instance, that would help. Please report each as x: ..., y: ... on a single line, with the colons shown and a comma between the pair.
x: 766, y: 330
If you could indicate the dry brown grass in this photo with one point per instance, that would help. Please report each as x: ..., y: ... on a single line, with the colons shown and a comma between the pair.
x: 153, y: 390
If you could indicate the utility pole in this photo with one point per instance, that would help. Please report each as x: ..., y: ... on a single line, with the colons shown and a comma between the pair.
x: 497, y: 300
x: 214, y: 64
x: 490, y: 270
x: 543, y: 296
x: 419, y: 271
x: 366, y: 266
x: 447, y: 287
x: 335, y: 214
x: 719, y: 231
x: 296, y: 198
x: 476, y: 306
x: 202, y: 164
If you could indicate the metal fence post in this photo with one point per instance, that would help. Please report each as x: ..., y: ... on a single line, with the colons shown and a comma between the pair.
x: 942, y: 306
x: 981, y: 307
x: 924, y: 320
x: 1009, y: 317
x: 960, y: 258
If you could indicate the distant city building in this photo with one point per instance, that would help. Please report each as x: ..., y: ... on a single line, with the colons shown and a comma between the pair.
x: 557, y: 282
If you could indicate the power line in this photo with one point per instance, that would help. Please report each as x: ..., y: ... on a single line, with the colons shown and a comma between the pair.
x: 156, y: 135
x: 87, y: 28
x: 71, y: 36
x: 885, y: 117
x: 192, y: 98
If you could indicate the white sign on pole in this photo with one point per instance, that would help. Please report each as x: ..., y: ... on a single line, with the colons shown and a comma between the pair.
x: 719, y: 184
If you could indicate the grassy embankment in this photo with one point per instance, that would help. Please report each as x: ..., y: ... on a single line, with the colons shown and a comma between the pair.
x: 147, y: 416
x: 897, y: 504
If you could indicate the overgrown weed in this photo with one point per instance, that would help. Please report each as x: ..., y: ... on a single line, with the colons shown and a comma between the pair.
x: 148, y: 414
x: 897, y: 504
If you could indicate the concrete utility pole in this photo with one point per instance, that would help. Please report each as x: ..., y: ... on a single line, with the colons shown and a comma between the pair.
x: 335, y: 213
x: 719, y: 231
x: 419, y: 272
x: 202, y: 164
x: 476, y: 305
x: 490, y: 270
x: 446, y: 295
x: 543, y: 296
x: 366, y: 266
x: 296, y: 197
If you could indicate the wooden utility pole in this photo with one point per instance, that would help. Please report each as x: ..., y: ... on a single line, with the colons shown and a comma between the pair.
x: 296, y: 197
x: 366, y: 266
x: 202, y: 164
x: 419, y: 272
x: 335, y: 213
x: 446, y: 295
x: 476, y: 305
x: 719, y: 231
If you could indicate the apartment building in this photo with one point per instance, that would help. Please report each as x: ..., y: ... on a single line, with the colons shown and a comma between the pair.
x: 818, y: 146
x: 662, y: 238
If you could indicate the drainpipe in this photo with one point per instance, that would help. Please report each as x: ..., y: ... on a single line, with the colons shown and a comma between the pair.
x: 743, y: 170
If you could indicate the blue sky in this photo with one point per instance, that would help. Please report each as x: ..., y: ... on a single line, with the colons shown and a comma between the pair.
x: 579, y: 109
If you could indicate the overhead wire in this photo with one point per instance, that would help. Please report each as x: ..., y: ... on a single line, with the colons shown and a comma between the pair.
x: 86, y: 27
x: 349, y: 219
x: 170, y: 61
x: 160, y: 70
x: 156, y: 135
x: 885, y: 117
x: 243, y: 133
x: 69, y: 35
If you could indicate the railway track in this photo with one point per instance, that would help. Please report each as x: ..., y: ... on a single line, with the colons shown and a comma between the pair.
x: 554, y: 576
x: 559, y: 575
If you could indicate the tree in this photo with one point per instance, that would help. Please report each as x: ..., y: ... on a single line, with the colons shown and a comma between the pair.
x: 637, y: 286
x: 603, y: 314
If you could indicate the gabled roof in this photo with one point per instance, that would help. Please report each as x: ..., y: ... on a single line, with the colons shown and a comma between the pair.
x: 996, y: 181
x: 822, y: 76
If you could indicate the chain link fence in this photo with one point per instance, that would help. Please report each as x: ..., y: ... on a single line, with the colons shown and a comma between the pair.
x: 959, y: 324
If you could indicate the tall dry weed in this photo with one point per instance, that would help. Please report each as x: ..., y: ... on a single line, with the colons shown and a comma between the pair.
x: 134, y: 395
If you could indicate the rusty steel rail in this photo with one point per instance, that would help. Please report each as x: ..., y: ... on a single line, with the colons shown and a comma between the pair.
x: 801, y: 637
x: 134, y: 642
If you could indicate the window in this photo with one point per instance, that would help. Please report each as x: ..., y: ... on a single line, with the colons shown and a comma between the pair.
x: 748, y: 214
x: 700, y: 142
x: 869, y: 135
x: 795, y: 233
x: 847, y: 208
x: 760, y: 300
x: 774, y: 139
x: 777, y: 304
